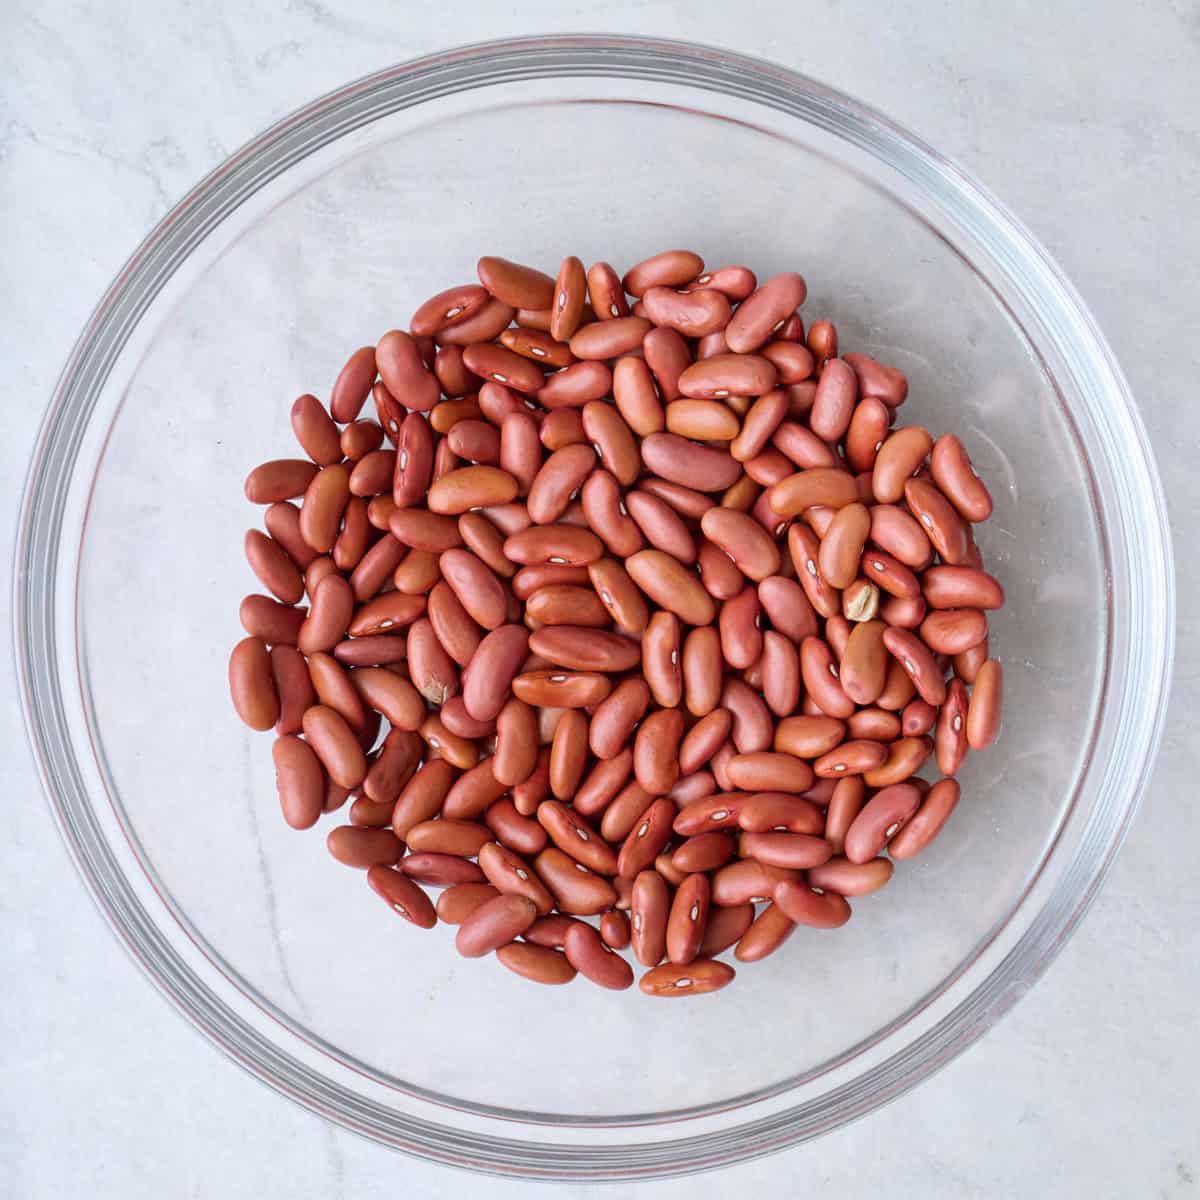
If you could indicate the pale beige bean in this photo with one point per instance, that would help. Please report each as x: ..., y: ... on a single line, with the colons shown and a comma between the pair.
x: 860, y: 600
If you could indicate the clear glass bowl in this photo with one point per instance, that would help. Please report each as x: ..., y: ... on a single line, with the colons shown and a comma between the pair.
x: 328, y: 230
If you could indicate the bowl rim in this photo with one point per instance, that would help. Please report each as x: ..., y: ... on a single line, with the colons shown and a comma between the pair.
x: 361, y: 102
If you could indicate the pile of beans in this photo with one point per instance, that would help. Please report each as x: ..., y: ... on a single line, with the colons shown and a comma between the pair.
x: 661, y: 613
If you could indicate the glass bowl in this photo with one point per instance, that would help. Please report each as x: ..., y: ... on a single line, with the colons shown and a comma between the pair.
x: 326, y: 231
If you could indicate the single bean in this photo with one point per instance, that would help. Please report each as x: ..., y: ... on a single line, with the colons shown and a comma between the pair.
x: 606, y: 293
x: 941, y: 522
x: 918, y: 663
x: 692, y: 979
x: 984, y: 711
x: 953, y: 473
x: 440, y: 870
x: 364, y: 848
x: 569, y: 390
x: 875, y: 379
x: 588, y: 954
x: 814, y: 907
x: 760, y: 314
x: 460, y: 900
x: 879, y: 820
x: 670, y: 268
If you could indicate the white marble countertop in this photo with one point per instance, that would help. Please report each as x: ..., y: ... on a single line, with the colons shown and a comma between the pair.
x: 1084, y: 117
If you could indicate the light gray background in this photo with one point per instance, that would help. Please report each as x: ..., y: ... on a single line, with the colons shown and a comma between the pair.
x: 1083, y: 116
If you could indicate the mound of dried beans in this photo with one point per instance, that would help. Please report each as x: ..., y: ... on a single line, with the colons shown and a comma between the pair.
x: 660, y: 614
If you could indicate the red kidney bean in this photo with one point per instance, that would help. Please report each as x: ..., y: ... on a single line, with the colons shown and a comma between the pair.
x: 576, y: 678
x: 761, y: 313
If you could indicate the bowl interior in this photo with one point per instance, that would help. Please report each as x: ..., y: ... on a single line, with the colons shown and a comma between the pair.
x: 327, y: 260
